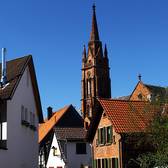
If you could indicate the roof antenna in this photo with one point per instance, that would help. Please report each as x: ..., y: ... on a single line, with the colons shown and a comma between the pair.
x: 3, y: 68
x: 139, y: 77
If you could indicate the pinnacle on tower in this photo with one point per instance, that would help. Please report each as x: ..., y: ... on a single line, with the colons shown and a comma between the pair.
x: 105, y: 51
x: 84, y: 53
x: 94, y: 36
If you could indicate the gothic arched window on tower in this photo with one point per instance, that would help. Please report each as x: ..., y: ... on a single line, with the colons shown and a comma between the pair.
x: 89, y: 87
x: 89, y: 111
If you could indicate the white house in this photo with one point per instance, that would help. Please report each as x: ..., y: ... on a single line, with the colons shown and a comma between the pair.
x: 56, y: 158
x: 62, y: 140
x: 20, y: 113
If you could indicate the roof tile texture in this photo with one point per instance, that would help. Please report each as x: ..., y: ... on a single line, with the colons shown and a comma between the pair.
x: 70, y: 133
x: 128, y: 116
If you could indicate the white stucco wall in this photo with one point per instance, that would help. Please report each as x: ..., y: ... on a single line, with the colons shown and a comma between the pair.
x: 75, y: 160
x: 22, y: 142
x: 55, y: 161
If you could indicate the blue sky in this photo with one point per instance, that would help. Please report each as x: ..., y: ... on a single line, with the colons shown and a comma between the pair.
x: 54, y: 32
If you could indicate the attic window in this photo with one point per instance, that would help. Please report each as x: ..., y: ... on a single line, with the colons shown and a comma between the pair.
x: 140, y: 96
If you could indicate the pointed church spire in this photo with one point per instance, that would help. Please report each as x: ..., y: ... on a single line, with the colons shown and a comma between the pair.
x: 94, y: 36
x: 84, y: 52
x: 105, y: 52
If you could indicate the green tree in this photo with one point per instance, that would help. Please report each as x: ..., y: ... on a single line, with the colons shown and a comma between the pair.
x: 157, y: 138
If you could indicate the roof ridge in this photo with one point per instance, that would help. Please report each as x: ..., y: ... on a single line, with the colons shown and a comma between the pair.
x: 107, y: 99
x: 154, y: 85
x: 66, y: 106
x: 16, y: 59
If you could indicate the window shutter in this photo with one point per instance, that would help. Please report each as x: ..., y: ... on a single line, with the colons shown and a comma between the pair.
x: 109, y: 163
x: 104, y: 135
x: 105, y: 163
x: 98, y: 136
x: 116, y: 162
x: 94, y: 163
x: 111, y: 134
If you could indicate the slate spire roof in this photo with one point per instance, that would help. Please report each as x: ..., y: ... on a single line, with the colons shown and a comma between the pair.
x: 94, y: 36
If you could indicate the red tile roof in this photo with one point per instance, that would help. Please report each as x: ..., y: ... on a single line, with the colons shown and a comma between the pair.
x: 45, y: 127
x: 128, y: 116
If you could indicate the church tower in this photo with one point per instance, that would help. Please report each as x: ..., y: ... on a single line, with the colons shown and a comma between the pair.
x: 96, y: 81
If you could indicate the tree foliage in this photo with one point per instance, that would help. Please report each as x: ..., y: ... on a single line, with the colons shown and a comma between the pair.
x: 157, y: 139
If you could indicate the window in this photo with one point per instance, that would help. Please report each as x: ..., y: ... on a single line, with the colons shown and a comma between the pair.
x: 80, y: 148
x: 3, y: 124
x: 89, y: 86
x: 99, y: 163
x: 109, y: 134
x: 101, y: 136
x: 89, y: 111
x: 140, y: 96
x: 102, y: 163
x: 24, y: 116
x: 115, y: 162
x: 55, y: 151
x: 109, y: 162
x: 105, y: 135
x: 106, y: 163
x: 32, y: 121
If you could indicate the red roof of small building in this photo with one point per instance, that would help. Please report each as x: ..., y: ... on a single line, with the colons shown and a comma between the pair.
x: 45, y: 127
x: 128, y: 116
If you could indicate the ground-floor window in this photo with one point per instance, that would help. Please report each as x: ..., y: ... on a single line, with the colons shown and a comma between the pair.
x: 105, y: 163
x: 3, y: 124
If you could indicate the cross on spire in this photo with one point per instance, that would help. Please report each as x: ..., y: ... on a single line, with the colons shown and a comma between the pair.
x: 139, y: 77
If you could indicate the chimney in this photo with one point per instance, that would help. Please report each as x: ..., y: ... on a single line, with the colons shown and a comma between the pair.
x: 49, y: 112
x: 3, y: 68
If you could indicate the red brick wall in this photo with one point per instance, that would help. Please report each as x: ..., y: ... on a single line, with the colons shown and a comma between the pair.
x: 140, y: 89
x: 106, y: 151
